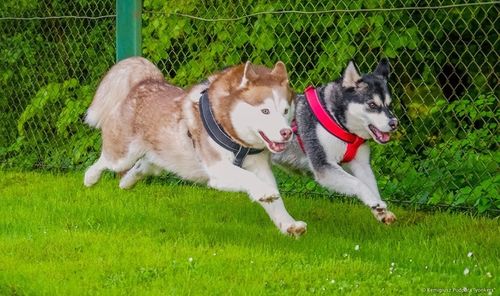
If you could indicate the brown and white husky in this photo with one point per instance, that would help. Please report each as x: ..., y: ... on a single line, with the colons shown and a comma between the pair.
x: 219, y: 132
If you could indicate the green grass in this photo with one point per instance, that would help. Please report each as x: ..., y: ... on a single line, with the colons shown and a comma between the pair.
x: 59, y: 238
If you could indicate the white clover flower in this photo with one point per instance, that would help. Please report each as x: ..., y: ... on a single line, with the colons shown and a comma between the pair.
x: 356, y: 248
x: 391, y: 269
x: 470, y: 254
x: 466, y: 271
x: 190, y: 259
x: 488, y: 274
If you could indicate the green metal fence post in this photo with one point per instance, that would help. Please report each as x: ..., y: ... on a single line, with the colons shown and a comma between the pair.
x: 128, y: 28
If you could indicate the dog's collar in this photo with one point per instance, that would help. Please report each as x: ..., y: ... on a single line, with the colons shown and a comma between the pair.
x: 217, y: 133
x: 332, y: 126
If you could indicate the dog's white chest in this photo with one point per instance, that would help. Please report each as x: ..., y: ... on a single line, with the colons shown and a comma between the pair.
x: 334, y: 147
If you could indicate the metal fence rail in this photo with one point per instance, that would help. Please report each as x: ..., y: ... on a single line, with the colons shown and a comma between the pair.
x: 444, y: 56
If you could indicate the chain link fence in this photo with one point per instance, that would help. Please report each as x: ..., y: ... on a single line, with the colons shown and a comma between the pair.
x: 53, y: 54
x: 444, y: 80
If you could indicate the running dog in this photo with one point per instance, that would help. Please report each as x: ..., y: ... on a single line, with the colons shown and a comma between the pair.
x: 332, y: 124
x: 219, y: 132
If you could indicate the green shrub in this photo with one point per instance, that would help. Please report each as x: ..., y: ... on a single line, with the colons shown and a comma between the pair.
x: 457, y: 165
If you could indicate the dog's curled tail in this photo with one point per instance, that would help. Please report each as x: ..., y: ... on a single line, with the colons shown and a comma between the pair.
x: 116, y: 85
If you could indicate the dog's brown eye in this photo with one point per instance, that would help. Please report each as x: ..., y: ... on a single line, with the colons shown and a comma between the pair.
x: 372, y: 105
x: 286, y: 111
x: 265, y: 111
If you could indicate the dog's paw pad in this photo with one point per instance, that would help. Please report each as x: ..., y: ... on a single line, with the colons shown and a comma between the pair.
x: 389, y: 218
x: 297, y: 229
x: 383, y: 215
x: 269, y: 199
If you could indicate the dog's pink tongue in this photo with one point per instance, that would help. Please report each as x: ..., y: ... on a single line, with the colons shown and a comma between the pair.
x: 384, y: 137
x: 277, y: 147
x: 381, y: 136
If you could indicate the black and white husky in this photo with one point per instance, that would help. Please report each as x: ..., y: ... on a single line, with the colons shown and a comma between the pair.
x: 332, y: 123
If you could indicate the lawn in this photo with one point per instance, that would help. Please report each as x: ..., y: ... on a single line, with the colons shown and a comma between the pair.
x: 59, y: 238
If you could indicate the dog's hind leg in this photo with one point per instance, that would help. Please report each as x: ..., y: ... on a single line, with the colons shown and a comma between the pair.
x: 117, y: 164
x: 93, y: 173
x: 140, y: 169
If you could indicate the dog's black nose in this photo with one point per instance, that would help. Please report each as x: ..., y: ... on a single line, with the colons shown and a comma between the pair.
x: 286, y: 133
x: 393, y: 123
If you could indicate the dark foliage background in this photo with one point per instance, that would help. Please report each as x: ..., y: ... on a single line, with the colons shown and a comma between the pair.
x: 444, y: 55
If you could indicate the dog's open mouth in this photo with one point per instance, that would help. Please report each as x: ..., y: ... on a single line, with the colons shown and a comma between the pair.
x: 275, y: 147
x: 379, y: 136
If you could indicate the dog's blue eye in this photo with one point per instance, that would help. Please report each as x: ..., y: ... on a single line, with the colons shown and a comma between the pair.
x: 372, y: 105
x: 265, y: 111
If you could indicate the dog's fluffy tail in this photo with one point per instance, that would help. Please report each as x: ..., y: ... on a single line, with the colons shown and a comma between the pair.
x: 116, y: 85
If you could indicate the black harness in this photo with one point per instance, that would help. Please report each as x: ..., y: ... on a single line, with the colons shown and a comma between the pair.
x: 217, y: 133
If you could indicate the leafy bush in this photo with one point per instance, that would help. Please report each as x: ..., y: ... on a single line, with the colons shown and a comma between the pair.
x: 48, y: 74
x: 458, y: 164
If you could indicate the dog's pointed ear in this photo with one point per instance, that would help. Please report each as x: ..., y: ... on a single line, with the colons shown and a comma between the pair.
x: 351, y: 75
x: 383, y: 69
x: 248, y: 75
x: 279, y: 71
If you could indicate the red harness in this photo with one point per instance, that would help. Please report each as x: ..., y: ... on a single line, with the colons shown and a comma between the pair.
x: 353, y: 141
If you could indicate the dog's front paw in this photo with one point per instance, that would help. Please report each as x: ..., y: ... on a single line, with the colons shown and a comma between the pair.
x: 383, y: 215
x: 296, y: 229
